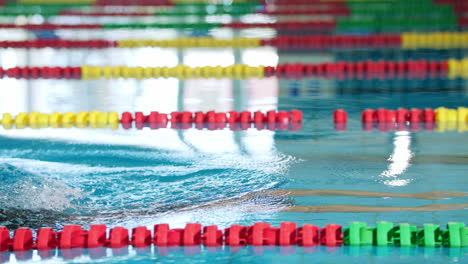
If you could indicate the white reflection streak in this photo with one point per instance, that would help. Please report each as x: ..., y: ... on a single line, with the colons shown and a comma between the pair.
x: 257, y: 57
x: 400, y: 159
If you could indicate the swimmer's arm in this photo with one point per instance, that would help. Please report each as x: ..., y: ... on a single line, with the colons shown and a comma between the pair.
x: 436, y: 195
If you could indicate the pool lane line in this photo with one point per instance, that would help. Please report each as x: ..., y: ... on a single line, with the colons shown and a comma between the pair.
x: 441, y: 119
x: 384, y: 234
x: 382, y: 69
x: 403, y: 115
x: 272, y: 120
x: 405, y: 41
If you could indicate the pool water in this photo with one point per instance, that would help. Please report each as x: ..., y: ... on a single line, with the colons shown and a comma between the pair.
x: 52, y: 177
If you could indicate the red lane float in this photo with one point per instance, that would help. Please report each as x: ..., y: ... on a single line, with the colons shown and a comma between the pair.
x: 282, y: 120
x: 340, y: 118
x: 259, y: 234
x: 46, y: 239
x: 22, y: 240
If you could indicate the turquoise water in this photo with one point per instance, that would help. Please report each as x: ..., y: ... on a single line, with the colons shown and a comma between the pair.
x: 255, y: 255
x: 53, y: 177
x: 130, y: 177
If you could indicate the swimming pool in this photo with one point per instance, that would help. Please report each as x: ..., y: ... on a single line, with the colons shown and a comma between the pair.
x: 54, y: 177
x: 142, y: 177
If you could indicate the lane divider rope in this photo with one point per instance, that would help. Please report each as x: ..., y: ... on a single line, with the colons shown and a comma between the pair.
x: 403, y: 115
x: 282, y: 120
x: 410, y: 41
x: 384, y: 234
x: 422, y: 69
x: 441, y: 119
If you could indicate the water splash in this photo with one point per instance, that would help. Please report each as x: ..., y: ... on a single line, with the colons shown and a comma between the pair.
x: 97, y: 187
x: 25, y: 190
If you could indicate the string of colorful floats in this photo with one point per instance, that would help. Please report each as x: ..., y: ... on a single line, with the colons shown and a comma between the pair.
x: 451, y: 68
x: 436, y: 40
x: 404, y: 119
x: 211, y: 120
x: 384, y: 234
x: 403, y: 115
x: 385, y: 120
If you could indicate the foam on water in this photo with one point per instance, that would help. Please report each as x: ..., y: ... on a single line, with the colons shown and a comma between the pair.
x: 21, y: 189
x: 89, y: 182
